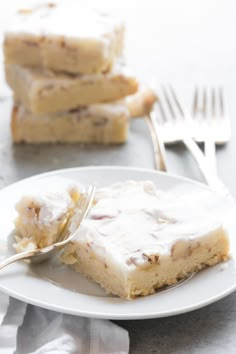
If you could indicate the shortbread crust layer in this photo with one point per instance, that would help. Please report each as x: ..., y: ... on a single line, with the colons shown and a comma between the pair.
x: 102, y: 123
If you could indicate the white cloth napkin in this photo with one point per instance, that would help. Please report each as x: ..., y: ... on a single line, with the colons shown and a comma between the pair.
x: 30, y: 329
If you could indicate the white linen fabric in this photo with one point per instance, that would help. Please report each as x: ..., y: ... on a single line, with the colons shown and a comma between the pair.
x: 30, y: 329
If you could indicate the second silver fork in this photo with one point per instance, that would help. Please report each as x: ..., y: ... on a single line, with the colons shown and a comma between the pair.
x: 210, y: 122
x: 175, y: 124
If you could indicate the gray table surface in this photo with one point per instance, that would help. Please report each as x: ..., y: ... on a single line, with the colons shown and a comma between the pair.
x: 184, y: 43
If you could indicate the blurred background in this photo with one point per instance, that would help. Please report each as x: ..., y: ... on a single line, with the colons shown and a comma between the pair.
x: 180, y: 42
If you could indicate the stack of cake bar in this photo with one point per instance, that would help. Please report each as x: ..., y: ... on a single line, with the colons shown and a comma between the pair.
x: 69, y: 85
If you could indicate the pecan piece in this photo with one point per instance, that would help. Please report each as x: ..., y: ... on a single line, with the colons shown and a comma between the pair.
x: 101, y: 122
x: 24, y: 11
x: 30, y: 43
x: 152, y: 258
x: 181, y: 249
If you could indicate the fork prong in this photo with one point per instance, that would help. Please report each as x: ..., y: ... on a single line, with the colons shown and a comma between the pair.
x: 64, y: 231
x: 213, y: 102
x: 83, y: 206
x: 195, y: 101
x: 167, y: 99
x: 176, y: 100
x: 199, y: 105
x: 162, y: 111
x: 204, y: 102
x: 221, y: 102
x: 86, y: 207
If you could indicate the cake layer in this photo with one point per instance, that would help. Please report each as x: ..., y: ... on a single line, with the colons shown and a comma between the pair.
x: 43, y: 91
x: 98, y: 123
x: 157, y: 272
x: 63, y: 37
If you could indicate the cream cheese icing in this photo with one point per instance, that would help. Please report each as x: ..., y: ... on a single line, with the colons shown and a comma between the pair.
x: 60, y: 18
x: 52, y: 201
x: 131, y: 222
x: 134, y: 220
x: 51, y: 207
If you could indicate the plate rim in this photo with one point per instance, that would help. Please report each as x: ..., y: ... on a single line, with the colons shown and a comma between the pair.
x: 111, y: 167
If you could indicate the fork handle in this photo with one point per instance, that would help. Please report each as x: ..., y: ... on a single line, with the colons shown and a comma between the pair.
x: 210, y: 153
x: 17, y: 257
x: 157, y: 141
x: 209, y: 175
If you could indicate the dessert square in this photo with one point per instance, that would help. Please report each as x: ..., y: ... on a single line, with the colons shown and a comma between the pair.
x: 63, y: 37
x: 97, y: 123
x: 43, y: 91
x: 137, y: 238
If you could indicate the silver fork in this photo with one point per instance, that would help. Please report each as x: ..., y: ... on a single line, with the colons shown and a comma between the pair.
x: 211, y: 124
x: 69, y: 231
x: 175, y: 126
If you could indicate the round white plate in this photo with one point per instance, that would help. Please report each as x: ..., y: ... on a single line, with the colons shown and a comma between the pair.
x: 59, y: 288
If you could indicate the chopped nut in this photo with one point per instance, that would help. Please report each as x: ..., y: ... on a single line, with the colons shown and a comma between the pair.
x: 152, y: 258
x: 51, y: 4
x: 48, y: 87
x: 24, y: 11
x: 193, y: 246
x: 62, y: 43
x: 69, y: 258
x: 78, y: 109
x: 30, y: 43
x: 139, y: 261
x: 33, y: 211
x: 153, y: 234
x: 129, y: 261
x: 101, y: 217
x: 180, y: 249
x: 100, y: 122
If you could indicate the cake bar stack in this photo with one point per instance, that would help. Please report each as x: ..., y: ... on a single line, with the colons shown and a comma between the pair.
x: 62, y: 63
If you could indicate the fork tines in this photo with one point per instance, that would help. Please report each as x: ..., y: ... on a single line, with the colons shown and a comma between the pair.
x: 209, y: 117
x: 174, y: 120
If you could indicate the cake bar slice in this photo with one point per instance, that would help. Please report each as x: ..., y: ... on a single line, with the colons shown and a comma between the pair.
x: 63, y: 37
x: 98, y: 123
x: 136, y: 238
x: 104, y: 123
x: 43, y: 91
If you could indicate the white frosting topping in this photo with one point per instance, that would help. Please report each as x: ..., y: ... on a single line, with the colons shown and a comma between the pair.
x: 48, y: 76
x: 133, y: 222
x: 63, y: 18
x: 52, y: 201
x: 108, y: 110
x: 133, y: 219
x: 51, y: 206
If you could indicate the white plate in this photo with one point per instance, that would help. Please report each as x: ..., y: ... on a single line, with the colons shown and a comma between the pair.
x: 61, y: 289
